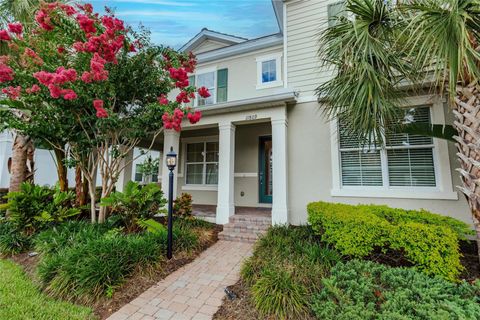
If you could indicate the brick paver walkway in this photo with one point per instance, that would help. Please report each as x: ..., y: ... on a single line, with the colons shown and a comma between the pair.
x: 194, y: 291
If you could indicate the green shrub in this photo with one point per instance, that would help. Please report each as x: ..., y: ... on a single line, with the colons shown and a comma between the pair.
x: 12, y: 241
x: 182, y: 206
x: 35, y: 207
x: 136, y: 202
x: 81, y: 261
x: 71, y: 233
x: 286, y: 267
x: 276, y: 293
x: 429, y: 241
x: 85, y: 272
x: 365, y: 290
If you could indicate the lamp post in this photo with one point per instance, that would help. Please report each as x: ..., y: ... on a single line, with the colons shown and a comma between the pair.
x: 171, y: 160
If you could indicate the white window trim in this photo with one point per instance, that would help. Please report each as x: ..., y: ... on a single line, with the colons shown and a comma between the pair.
x: 196, y: 187
x: 441, y: 160
x: 213, y: 69
x: 278, y: 65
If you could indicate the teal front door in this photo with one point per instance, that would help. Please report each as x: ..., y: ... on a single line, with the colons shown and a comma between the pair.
x: 265, y: 170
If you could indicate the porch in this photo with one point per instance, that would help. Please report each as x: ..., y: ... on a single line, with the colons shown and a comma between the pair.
x: 233, y: 163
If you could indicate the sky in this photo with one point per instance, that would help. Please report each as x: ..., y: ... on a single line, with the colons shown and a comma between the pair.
x: 175, y: 22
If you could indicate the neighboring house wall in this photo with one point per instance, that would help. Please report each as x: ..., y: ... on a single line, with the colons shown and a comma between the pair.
x: 5, y: 153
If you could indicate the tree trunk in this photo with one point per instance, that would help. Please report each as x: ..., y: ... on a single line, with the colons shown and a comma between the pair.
x: 61, y: 169
x: 81, y: 187
x: 19, y: 171
x: 93, y: 209
x: 467, y: 123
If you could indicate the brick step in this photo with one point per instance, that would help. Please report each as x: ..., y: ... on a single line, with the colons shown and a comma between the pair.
x: 237, y: 218
x: 239, y: 237
x: 243, y: 227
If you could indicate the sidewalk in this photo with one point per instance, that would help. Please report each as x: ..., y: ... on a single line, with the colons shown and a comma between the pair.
x: 194, y: 291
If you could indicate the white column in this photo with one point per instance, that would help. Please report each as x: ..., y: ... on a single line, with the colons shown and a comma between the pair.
x: 126, y: 175
x: 280, y: 172
x: 225, y: 203
x: 171, y: 140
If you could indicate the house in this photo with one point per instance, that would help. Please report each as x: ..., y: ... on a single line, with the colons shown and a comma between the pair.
x: 264, y: 143
x: 264, y: 148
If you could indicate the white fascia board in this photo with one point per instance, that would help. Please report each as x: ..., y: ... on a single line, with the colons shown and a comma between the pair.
x: 245, y: 104
x: 244, y: 47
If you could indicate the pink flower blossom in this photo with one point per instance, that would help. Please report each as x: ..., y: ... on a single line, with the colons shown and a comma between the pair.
x: 69, y: 94
x: 194, y: 117
x: 16, y: 28
x: 44, y: 77
x: 12, y: 92
x: 44, y: 20
x: 101, y: 112
x: 162, y: 100
x: 4, y: 36
x: 55, y: 92
x: 203, y: 92
x: 35, y: 88
x: 86, y: 24
x: 69, y: 10
x: 6, y: 73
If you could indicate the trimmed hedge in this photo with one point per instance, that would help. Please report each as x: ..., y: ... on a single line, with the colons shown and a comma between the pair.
x: 367, y: 290
x: 428, y: 240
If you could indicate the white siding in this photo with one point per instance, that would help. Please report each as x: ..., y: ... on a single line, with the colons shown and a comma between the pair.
x: 304, y: 22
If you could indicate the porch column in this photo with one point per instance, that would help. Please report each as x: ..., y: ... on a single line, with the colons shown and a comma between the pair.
x: 280, y: 172
x: 126, y: 174
x: 225, y: 202
x: 171, y: 138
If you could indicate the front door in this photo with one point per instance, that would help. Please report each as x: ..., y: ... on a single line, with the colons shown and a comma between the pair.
x: 265, y: 170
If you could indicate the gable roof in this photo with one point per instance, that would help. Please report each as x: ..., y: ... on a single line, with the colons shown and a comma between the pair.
x: 206, y: 34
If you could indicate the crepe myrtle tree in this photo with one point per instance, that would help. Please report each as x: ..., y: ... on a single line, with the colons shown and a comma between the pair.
x: 99, y: 86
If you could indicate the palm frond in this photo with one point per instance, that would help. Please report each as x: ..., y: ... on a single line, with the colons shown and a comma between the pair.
x: 446, y: 36
x: 361, y: 51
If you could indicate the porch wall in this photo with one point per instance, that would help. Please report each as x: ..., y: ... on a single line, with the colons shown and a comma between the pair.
x: 310, y: 169
x: 246, y: 165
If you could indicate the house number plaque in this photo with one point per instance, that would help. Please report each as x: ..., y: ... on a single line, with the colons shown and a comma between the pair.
x: 251, y: 117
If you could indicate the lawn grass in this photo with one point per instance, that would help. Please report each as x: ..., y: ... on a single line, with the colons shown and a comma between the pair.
x: 20, y: 299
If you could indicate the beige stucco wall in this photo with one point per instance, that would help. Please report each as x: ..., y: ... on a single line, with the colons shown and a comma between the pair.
x: 310, y: 170
x: 246, y: 164
x: 242, y: 74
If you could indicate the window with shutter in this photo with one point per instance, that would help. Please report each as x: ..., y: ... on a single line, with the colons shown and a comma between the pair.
x: 334, y: 10
x: 222, y: 85
x: 406, y: 160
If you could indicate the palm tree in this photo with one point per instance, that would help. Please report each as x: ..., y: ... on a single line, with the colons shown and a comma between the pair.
x: 377, y: 48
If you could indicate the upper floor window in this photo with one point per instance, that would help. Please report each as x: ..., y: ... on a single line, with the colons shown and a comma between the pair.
x: 406, y: 160
x: 215, y: 81
x: 269, y: 71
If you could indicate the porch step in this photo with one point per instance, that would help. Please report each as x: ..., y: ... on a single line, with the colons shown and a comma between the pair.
x: 245, y: 228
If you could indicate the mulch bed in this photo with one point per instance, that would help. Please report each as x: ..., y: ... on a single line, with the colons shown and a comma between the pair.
x: 242, y: 308
x: 135, y: 285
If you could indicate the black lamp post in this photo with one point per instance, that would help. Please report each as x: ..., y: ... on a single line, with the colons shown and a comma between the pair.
x: 171, y: 159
